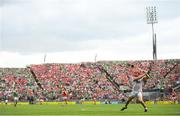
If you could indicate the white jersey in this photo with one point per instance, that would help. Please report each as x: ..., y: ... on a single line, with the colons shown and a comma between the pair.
x: 137, y: 86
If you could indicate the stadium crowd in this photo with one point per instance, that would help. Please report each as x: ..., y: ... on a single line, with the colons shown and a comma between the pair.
x: 85, y: 81
x: 16, y: 79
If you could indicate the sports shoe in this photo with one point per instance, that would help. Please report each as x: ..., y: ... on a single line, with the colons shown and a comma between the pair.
x: 145, y: 110
x: 123, y: 108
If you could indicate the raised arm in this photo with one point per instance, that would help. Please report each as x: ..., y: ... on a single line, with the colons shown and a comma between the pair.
x: 140, y: 77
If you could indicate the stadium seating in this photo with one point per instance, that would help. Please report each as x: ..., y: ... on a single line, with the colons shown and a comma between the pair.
x: 86, y: 80
x: 19, y: 79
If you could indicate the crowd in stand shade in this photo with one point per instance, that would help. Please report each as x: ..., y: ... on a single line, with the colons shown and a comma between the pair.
x: 86, y: 81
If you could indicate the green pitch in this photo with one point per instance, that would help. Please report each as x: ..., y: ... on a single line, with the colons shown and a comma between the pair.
x: 89, y: 110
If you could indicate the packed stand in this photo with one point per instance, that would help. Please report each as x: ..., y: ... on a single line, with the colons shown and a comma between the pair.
x: 16, y: 79
x: 86, y: 81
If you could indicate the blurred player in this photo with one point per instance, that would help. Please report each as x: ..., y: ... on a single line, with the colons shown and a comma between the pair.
x: 30, y: 96
x: 64, y: 95
x: 94, y: 98
x: 137, y: 83
x: 41, y: 100
x: 5, y: 97
x: 15, y: 95
x: 174, y: 96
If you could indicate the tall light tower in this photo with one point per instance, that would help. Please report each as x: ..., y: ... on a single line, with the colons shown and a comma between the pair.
x: 152, y: 19
x: 45, y: 57
x: 95, y: 57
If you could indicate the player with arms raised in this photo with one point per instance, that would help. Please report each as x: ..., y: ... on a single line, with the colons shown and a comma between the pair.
x: 137, y: 81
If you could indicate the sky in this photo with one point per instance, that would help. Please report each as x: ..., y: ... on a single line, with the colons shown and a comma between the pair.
x: 74, y: 31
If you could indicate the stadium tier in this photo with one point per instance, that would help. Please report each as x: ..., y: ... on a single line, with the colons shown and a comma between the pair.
x: 89, y: 81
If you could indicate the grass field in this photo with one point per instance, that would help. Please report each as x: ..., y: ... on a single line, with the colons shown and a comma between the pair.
x: 89, y: 110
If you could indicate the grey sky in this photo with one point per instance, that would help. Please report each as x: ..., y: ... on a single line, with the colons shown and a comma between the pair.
x: 38, y: 26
